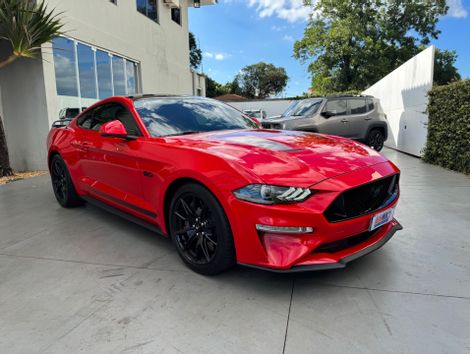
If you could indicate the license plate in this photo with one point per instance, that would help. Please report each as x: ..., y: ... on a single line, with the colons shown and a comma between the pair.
x: 381, y: 219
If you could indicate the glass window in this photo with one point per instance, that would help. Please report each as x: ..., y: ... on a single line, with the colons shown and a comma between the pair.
x: 142, y: 6
x: 118, y: 76
x: 176, y: 116
x: 302, y: 108
x: 370, y: 104
x: 148, y: 8
x: 103, y: 67
x: 176, y: 15
x: 131, y: 74
x: 337, y: 106
x: 86, y: 71
x: 64, y: 66
x: 357, y: 106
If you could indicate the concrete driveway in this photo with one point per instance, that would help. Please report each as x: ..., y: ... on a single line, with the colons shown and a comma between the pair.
x: 82, y: 280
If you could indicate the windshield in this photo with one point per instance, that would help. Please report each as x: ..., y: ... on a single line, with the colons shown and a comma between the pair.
x: 186, y: 115
x: 302, y: 108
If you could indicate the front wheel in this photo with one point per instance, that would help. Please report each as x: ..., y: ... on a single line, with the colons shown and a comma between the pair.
x: 375, y: 139
x: 62, y: 184
x: 200, y: 230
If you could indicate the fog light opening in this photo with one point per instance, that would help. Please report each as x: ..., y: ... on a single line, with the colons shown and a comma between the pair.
x: 284, y: 229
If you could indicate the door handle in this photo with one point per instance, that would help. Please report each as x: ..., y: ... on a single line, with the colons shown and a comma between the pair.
x: 368, y: 118
x: 84, y: 145
x: 344, y: 120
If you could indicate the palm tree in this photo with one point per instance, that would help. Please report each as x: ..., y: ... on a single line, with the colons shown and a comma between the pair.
x: 25, y: 25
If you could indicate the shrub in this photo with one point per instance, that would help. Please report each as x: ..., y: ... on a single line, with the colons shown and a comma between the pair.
x: 448, y: 143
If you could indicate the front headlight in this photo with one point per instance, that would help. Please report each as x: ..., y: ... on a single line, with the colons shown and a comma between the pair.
x: 268, y: 194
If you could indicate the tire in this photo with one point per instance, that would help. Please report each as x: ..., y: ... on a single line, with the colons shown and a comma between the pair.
x: 62, y: 184
x: 200, y: 230
x: 375, y: 139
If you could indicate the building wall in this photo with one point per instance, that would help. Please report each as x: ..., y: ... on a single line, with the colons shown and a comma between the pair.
x: 161, y: 48
x: 29, y: 97
x: 403, y: 96
x: 24, y: 112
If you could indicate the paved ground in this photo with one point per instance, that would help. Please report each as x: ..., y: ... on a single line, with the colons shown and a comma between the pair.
x: 83, y: 280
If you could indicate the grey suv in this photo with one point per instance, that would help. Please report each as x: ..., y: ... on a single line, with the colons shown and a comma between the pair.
x: 355, y: 117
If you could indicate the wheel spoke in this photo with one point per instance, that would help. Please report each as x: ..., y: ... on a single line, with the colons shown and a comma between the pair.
x: 186, y: 207
x: 205, y: 249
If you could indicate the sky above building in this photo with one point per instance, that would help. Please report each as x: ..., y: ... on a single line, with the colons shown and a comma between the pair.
x: 236, y: 33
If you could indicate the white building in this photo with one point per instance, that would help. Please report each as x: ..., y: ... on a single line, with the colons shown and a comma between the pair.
x: 109, y: 47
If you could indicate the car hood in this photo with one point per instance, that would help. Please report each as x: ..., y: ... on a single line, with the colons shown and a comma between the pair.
x: 284, y: 157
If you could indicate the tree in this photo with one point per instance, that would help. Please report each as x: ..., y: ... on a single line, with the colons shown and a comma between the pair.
x: 25, y: 25
x: 262, y: 80
x: 444, y: 70
x: 353, y: 43
x: 214, y: 89
x: 195, y: 53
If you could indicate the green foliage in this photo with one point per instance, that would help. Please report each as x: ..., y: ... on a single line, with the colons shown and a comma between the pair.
x: 26, y: 25
x: 354, y: 43
x: 448, y: 143
x: 195, y: 53
x: 444, y: 70
x: 214, y: 89
x: 262, y: 80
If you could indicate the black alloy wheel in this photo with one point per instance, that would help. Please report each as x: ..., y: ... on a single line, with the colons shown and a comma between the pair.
x: 200, y: 230
x: 62, y: 184
x: 376, y: 140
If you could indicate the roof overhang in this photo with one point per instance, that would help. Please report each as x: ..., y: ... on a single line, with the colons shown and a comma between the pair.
x: 199, y: 3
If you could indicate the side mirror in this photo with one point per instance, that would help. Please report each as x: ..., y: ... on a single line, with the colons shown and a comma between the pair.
x: 114, y: 129
x: 328, y: 114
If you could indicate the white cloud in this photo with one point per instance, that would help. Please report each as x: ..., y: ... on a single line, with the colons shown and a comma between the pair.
x: 456, y: 9
x: 216, y: 56
x: 288, y: 38
x: 290, y: 10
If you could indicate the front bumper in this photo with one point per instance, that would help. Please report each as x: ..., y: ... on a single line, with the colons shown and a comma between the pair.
x: 329, y: 245
x: 341, y: 259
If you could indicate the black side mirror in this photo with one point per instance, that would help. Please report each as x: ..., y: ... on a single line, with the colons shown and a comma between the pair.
x: 328, y: 114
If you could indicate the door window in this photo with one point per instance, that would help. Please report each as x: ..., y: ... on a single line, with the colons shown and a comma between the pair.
x: 357, y: 106
x: 107, y: 113
x: 337, y: 105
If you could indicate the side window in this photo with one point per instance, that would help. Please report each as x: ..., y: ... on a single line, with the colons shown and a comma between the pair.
x: 106, y: 113
x: 357, y: 106
x: 115, y: 111
x: 337, y: 105
x: 86, y: 120
x: 370, y: 104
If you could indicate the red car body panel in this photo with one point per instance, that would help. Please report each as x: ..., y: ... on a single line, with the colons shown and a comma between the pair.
x: 135, y: 176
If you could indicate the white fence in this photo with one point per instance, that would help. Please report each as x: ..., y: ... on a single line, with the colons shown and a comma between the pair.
x: 403, y: 96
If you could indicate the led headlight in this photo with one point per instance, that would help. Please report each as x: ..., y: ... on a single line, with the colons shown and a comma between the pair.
x: 268, y: 194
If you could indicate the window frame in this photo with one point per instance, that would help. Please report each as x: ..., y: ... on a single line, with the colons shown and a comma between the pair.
x: 105, y: 105
x: 357, y: 99
x: 180, y: 15
x: 157, y: 9
x: 337, y: 99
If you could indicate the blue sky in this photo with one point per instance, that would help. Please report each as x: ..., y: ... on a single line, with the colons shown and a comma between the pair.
x: 236, y: 33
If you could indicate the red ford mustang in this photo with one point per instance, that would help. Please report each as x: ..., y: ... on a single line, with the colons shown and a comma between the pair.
x: 202, y: 173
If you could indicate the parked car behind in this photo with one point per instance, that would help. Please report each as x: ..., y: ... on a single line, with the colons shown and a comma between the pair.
x: 259, y: 114
x: 356, y: 117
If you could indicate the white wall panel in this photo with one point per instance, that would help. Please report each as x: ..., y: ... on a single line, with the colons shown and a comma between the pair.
x: 403, y: 96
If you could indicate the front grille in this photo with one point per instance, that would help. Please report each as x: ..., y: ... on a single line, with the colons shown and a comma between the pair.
x: 336, y: 246
x: 364, y: 199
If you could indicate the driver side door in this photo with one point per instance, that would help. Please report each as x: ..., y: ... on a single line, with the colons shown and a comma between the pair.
x: 111, y: 165
x: 337, y: 124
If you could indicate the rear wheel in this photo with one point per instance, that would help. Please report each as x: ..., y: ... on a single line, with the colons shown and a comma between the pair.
x: 375, y: 139
x: 200, y: 230
x: 62, y: 184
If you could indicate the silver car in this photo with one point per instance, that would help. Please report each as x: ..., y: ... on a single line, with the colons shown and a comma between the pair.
x: 355, y: 117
